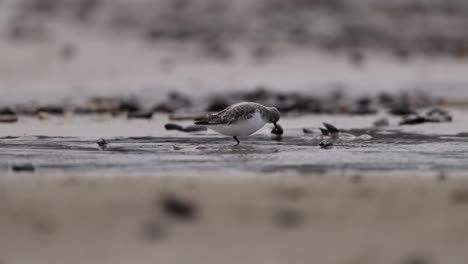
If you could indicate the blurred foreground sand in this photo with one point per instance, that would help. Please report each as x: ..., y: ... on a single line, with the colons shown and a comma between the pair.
x: 277, y: 219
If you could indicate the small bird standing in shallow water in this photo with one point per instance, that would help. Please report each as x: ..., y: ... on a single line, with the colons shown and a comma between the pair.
x: 240, y: 120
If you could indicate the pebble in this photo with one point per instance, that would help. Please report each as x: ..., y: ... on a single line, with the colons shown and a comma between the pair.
x: 171, y: 126
x: 27, y: 167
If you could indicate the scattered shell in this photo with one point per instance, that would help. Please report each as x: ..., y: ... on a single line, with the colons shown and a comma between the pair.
x: 278, y: 130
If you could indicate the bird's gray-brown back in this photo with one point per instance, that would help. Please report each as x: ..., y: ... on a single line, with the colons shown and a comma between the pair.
x: 233, y: 114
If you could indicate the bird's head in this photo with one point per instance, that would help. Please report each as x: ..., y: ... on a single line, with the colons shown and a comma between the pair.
x: 273, y: 115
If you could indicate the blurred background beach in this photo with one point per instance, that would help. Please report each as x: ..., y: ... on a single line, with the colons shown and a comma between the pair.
x: 52, y: 50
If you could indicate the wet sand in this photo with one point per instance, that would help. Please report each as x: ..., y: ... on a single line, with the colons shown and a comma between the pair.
x: 215, y: 219
x: 67, y: 145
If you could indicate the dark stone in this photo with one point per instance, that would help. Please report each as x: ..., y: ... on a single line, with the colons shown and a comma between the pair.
x: 278, y: 130
x: 191, y: 129
x: 27, y: 167
x: 178, y: 208
x: 171, y: 126
x: 414, y: 120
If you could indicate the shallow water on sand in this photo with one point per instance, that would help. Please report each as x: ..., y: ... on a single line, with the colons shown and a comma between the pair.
x: 66, y: 145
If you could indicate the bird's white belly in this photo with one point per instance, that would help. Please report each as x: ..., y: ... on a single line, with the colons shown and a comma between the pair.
x: 241, y: 128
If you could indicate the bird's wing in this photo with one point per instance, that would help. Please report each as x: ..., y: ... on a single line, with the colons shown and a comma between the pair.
x: 228, y: 116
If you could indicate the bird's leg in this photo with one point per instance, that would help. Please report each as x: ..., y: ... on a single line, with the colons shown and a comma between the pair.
x: 238, y: 142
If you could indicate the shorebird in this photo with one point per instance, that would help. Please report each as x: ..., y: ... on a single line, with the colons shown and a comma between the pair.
x: 241, y: 120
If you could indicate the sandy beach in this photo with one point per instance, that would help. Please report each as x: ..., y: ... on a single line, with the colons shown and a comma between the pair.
x: 214, y: 219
